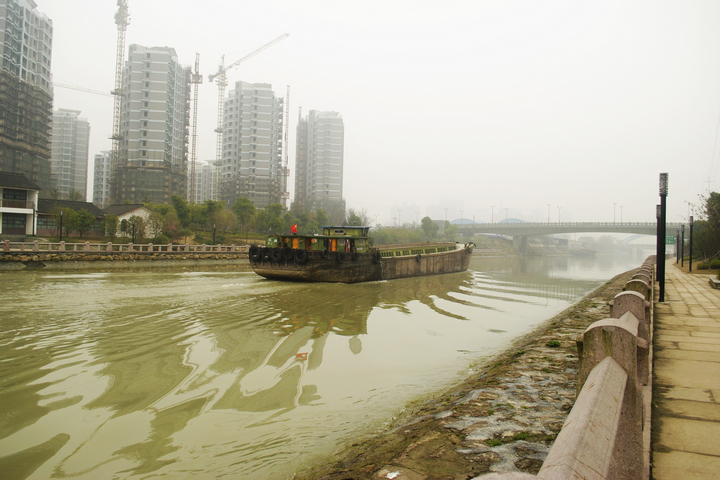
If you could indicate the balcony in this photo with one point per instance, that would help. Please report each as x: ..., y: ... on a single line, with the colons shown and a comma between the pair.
x: 16, y: 204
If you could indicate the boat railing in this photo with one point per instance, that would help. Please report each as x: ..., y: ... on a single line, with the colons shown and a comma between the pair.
x: 38, y: 247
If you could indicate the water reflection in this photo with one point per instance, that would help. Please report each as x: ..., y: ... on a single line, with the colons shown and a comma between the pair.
x: 224, y: 373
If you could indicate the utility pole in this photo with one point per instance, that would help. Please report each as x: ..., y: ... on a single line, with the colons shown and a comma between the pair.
x: 660, y: 254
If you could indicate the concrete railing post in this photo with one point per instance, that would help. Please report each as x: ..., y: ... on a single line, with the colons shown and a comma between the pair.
x: 6, y: 246
x: 61, y: 248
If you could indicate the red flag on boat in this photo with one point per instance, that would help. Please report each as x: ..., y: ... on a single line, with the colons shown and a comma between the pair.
x: 293, y: 229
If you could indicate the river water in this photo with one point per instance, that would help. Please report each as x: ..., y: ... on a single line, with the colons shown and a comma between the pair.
x: 223, y: 374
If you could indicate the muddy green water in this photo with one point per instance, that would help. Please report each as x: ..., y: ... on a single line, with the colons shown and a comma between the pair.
x: 224, y: 374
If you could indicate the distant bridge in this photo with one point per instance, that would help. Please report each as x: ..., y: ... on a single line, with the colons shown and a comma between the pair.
x: 523, y: 229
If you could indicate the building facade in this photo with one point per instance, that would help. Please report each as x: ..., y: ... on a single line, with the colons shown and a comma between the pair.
x: 319, y: 163
x: 154, y: 126
x: 70, y: 145
x: 101, y: 179
x: 25, y: 91
x: 252, y: 145
x: 205, y: 182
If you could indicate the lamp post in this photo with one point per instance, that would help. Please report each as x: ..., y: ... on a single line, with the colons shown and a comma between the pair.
x: 661, y: 235
x: 548, y: 212
x: 399, y: 222
x: 559, y: 214
x: 621, y: 207
x: 213, y: 234
x: 61, y: 218
x: 506, y: 210
x: 492, y: 214
x: 690, y: 254
x: 682, y: 245
x: 614, y: 208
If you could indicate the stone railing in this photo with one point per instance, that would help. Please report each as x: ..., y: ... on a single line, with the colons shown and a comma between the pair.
x: 607, y: 433
x: 109, y: 248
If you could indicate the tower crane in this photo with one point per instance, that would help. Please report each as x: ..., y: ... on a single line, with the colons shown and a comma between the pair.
x: 122, y: 19
x: 81, y: 89
x: 195, y: 79
x: 220, y: 78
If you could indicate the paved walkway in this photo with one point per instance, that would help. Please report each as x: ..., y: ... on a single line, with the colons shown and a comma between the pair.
x: 686, y: 390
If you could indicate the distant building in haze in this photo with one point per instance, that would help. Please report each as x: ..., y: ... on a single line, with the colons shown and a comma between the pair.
x: 69, y: 160
x: 252, y: 145
x: 101, y: 179
x: 154, y: 124
x: 205, y: 179
x: 319, y: 163
x: 25, y: 92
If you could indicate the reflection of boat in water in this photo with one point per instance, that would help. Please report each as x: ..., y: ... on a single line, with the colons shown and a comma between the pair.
x: 347, y: 255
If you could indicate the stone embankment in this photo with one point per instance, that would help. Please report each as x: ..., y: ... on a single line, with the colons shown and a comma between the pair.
x: 504, y: 418
x: 62, y: 256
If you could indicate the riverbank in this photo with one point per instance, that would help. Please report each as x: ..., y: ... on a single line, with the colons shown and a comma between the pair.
x: 503, y: 417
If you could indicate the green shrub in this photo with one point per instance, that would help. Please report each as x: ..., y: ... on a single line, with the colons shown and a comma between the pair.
x: 198, y: 239
x: 715, y: 263
x: 703, y: 266
x: 160, y: 240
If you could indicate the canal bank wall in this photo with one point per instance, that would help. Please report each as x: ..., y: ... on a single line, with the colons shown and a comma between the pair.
x: 505, y: 417
x: 108, y: 256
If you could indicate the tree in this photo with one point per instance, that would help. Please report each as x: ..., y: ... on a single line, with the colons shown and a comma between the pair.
x: 245, y: 211
x: 706, y: 230
x: 182, y: 209
x: 83, y: 222
x: 136, y: 225
x: 429, y: 227
x: 68, y: 220
x: 270, y: 219
x: 321, y: 219
x: 358, y: 217
x: 110, y: 225
x: 451, y: 231
x: 75, y: 196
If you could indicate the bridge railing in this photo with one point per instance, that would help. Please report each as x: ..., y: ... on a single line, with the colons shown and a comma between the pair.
x: 109, y: 248
x: 607, y: 433
x: 563, y: 224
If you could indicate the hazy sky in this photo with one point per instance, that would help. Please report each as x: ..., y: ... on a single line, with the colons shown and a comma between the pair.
x: 455, y: 105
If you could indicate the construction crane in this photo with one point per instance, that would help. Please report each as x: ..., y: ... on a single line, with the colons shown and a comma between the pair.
x: 220, y: 78
x: 195, y: 79
x: 122, y: 19
x: 81, y: 89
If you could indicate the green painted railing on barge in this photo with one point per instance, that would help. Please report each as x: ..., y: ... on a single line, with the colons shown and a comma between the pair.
x: 415, y: 250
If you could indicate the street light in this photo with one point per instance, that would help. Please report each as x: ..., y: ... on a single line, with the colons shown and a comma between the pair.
x: 492, y: 214
x: 417, y: 219
x: 690, y: 255
x: 559, y: 214
x: 614, y: 205
x: 621, y: 207
x: 61, y: 218
x: 548, y: 212
x: 399, y: 222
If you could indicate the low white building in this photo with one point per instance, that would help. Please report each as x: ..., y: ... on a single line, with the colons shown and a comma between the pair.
x: 125, y: 213
x: 18, y: 204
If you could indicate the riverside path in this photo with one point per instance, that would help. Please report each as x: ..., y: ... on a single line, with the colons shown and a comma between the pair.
x: 686, y: 396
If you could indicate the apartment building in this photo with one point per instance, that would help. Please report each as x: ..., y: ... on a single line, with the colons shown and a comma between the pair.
x: 154, y: 126
x: 252, y: 145
x: 25, y: 92
x: 319, y: 163
x: 101, y: 179
x: 205, y: 182
x: 69, y: 160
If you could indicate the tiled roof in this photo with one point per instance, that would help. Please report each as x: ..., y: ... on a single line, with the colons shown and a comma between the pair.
x: 121, y: 209
x: 17, y: 180
x: 48, y: 205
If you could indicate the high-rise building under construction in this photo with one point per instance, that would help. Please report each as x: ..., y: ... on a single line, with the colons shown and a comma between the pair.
x: 25, y: 91
x: 70, y: 144
x: 252, y: 145
x: 319, y: 163
x: 154, y: 126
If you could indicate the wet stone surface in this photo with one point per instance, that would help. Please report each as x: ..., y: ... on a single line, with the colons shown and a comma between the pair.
x: 503, y: 418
